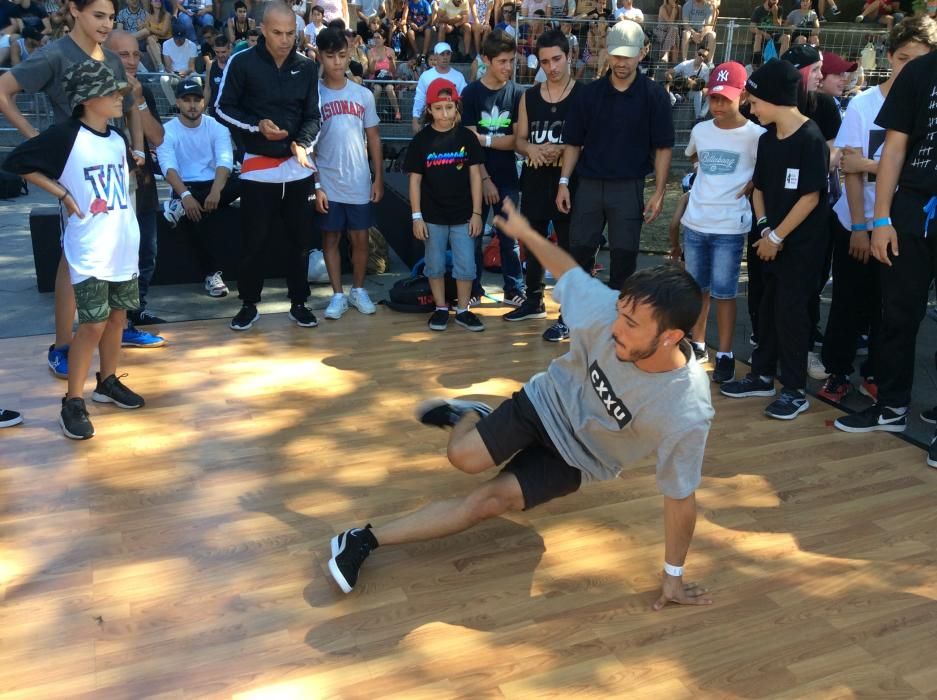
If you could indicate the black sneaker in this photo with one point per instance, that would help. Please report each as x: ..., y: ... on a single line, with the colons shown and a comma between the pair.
x: 469, y: 321
x: 439, y: 321
x: 701, y: 354
x: 349, y: 550
x: 749, y: 385
x: 557, y: 332
x: 788, y: 405
x: 875, y: 417
x: 10, y: 418
x: 74, y: 419
x: 724, y: 370
x: 514, y: 298
x: 143, y: 317
x: 112, y: 390
x: 929, y: 415
x: 445, y: 413
x: 526, y: 311
x: 245, y: 318
x: 932, y: 452
x: 303, y: 316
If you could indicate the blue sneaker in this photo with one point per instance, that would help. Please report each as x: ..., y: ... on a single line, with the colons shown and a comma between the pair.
x: 58, y: 361
x: 133, y: 337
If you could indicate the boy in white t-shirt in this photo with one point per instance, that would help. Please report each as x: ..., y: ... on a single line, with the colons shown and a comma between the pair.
x: 344, y: 188
x: 84, y: 163
x: 718, y: 216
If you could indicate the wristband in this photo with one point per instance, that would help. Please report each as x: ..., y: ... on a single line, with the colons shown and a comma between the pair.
x: 417, y: 216
x: 184, y: 195
x: 764, y: 232
x: 487, y: 177
x: 143, y: 107
x: 672, y: 570
x: 318, y: 186
x: 775, y: 238
x: 488, y: 141
x: 881, y: 222
x: 860, y: 227
x: 564, y: 181
x: 762, y: 221
x: 476, y: 213
x: 140, y: 154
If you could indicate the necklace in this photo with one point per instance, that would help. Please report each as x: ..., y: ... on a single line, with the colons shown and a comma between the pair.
x: 562, y: 92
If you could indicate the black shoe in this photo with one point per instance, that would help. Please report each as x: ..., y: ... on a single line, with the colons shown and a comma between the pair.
x: 349, y: 550
x: 701, y: 354
x: 10, y: 418
x: 929, y: 415
x: 445, y: 413
x: 469, y: 321
x: 932, y: 452
x: 142, y: 317
x: 112, y: 390
x: 245, y: 318
x: 875, y: 417
x: 557, y: 332
x: 724, y: 370
x: 749, y: 385
x: 303, y: 316
x: 817, y: 337
x: 530, y: 309
x: 788, y: 405
x: 74, y: 419
x: 439, y: 321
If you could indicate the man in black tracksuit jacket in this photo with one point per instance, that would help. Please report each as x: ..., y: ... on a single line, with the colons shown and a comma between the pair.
x: 270, y: 94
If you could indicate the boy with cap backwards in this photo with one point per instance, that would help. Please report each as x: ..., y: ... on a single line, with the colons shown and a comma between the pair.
x: 83, y: 163
x: 718, y: 215
x: 790, y: 179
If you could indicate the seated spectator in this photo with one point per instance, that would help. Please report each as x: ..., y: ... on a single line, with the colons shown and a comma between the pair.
x: 419, y: 20
x: 252, y: 36
x: 625, y: 9
x: 132, y: 19
x: 530, y: 7
x: 158, y: 28
x: 698, y: 21
x: 480, y: 17
x: 191, y: 14
x: 766, y: 26
x: 32, y: 14
x: 667, y: 32
x: 883, y: 11
x: 179, y: 53
x: 25, y: 45
x: 805, y: 22
x: 508, y: 21
x: 382, y: 66
x: 316, y: 24
x: 690, y: 78
x: 593, y: 55
x: 590, y: 9
x: 238, y: 24
x: 452, y: 17
x: 576, y: 66
x: 528, y: 33
x: 197, y: 158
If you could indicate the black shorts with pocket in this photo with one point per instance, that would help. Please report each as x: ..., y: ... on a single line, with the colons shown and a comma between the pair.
x: 515, y: 432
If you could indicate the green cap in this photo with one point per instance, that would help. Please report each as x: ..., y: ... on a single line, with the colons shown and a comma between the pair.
x: 90, y: 79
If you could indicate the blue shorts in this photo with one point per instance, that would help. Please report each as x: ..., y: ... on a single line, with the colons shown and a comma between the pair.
x: 347, y: 217
x: 463, y: 251
x: 714, y: 260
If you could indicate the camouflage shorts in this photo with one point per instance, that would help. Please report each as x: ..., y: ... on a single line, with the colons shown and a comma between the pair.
x: 95, y: 298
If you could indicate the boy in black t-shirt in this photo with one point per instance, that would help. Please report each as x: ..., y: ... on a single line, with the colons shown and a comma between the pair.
x: 789, y: 178
x: 904, y: 239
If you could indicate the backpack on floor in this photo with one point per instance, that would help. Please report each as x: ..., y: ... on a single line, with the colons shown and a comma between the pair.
x: 12, y: 186
x: 413, y: 294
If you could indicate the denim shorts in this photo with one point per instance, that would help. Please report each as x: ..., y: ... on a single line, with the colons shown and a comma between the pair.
x: 347, y: 217
x: 714, y: 260
x: 463, y: 251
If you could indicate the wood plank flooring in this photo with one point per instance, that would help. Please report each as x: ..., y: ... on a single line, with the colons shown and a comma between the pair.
x: 182, y: 552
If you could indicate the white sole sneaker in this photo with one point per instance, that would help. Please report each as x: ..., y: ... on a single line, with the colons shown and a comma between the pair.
x: 104, y: 398
x: 248, y: 326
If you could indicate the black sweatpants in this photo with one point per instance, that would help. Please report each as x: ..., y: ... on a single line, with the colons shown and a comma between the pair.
x: 275, y: 210
x: 905, y: 287
x: 756, y: 277
x: 206, y: 235
x: 533, y: 275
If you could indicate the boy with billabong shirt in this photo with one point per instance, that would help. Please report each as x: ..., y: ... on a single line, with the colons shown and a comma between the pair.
x: 83, y: 162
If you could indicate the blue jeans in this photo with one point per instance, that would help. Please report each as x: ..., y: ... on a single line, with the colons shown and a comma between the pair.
x: 463, y: 251
x: 188, y: 24
x: 714, y: 260
x: 510, y: 249
x: 147, y: 222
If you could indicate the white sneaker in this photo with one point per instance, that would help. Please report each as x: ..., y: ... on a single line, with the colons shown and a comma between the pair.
x: 337, y: 307
x: 815, y: 366
x: 173, y: 211
x: 360, y: 300
x: 215, y: 286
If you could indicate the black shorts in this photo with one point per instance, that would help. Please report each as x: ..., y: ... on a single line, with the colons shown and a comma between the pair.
x: 514, y: 431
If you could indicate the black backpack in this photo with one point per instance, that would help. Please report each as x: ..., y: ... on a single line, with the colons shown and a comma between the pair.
x: 413, y: 294
x: 12, y: 186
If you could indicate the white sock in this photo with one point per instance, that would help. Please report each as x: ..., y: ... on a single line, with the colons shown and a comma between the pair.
x: 459, y: 310
x: 442, y: 308
x: 357, y: 289
x: 724, y: 354
x: 699, y: 346
x: 338, y: 295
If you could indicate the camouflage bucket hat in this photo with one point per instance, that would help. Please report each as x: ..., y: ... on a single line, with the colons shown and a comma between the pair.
x: 89, y: 79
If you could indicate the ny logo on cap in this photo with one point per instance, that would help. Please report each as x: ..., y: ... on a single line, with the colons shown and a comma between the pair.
x: 722, y: 76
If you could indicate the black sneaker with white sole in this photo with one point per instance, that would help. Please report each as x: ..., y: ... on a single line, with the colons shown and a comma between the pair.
x: 445, y: 413
x: 529, y: 310
x: 700, y: 353
x: 303, y: 317
x: 10, y: 418
x: 790, y: 404
x: 724, y: 370
x: 469, y: 321
x: 74, y: 419
x: 749, y: 385
x: 439, y: 320
x: 245, y: 318
x: 349, y: 550
x: 929, y: 415
x: 875, y: 417
x: 932, y: 452
x: 112, y: 390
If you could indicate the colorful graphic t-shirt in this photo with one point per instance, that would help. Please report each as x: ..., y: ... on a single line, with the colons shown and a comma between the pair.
x: 443, y: 159
x: 419, y: 12
x: 494, y: 112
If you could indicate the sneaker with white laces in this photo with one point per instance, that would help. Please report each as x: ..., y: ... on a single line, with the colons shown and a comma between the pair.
x: 815, y: 367
x: 445, y: 413
x: 215, y: 286
x: 360, y: 300
x: 337, y: 307
x: 173, y: 211
x: 875, y: 417
x: 790, y: 404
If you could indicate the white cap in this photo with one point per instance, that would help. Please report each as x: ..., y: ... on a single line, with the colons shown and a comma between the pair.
x: 442, y: 47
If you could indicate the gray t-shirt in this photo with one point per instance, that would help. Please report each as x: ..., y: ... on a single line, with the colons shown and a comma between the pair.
x: 603, y: 414
x: 697, y: 16
x: 798, y: 18
x: 45, y: 68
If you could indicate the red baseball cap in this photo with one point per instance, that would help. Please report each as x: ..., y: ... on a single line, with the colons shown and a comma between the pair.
x: 834, y: 64
x: 441, y: 85
x: 728, y: 80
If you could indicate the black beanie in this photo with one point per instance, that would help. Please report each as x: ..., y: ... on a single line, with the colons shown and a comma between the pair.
x: 802, y: 55
x: 776, y: 82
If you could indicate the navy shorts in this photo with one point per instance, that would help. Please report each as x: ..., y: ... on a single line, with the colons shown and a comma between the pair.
x: 514, y: 433
x: 347, y: 217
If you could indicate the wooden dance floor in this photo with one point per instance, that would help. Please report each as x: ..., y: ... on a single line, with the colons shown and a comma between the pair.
x: 182, y: 553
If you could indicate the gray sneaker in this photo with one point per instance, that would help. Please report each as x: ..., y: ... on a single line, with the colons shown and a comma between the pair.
x: 74, y: 419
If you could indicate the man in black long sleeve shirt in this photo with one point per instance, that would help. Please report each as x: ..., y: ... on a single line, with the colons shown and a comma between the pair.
x: 269, y: 93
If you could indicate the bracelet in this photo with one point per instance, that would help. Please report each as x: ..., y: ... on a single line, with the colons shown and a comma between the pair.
x: 488, y: 141
x: 775, y: 238
x: 139, y: 154
x: 318, y: 186
x: 64, y: 195
x: 184, y: 195
x: 762, y: 221
x: 487, y: 177
x: 860, y: 227
x: 417, y: 216
x: 143, y: 107
x: 476, y: 213
x: 764, y: 232
x: 672, y: 570
x: 881, y: 222
x: 564, y: 181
